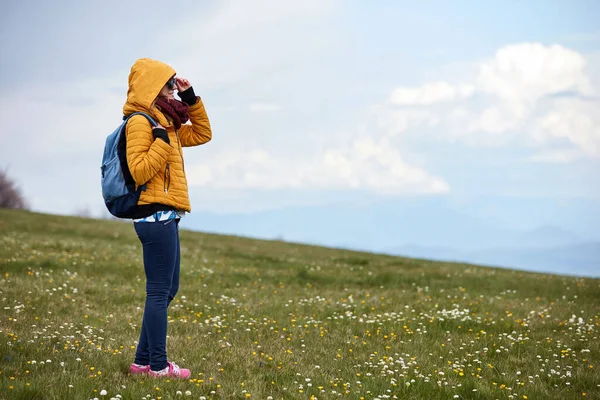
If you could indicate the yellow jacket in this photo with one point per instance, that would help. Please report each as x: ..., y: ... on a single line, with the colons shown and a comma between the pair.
x: 157, y: 163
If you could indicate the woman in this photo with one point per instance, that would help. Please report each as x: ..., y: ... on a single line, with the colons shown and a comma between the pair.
x: 155, y: 158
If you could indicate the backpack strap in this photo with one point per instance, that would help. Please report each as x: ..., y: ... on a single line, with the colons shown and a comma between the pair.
x: 152, y: 122
x: 149, y: 118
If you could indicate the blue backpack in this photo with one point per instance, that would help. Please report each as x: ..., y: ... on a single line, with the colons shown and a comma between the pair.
x: 118, y: 186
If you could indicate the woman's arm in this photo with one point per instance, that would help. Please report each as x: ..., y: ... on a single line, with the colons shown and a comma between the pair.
x: 199, y: 132
x: 146, y: 153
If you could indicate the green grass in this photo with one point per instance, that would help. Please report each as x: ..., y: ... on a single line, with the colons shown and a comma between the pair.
x: 255, y: 319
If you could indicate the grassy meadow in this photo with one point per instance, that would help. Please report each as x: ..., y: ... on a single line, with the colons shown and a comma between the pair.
x: 273, y: 320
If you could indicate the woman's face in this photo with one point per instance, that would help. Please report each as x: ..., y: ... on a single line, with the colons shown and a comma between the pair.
x: 168, y: 91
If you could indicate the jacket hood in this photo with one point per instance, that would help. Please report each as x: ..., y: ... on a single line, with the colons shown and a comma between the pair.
x: 146, y: 79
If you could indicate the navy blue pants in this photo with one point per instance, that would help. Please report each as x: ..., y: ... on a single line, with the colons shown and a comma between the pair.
x: 160, y: 244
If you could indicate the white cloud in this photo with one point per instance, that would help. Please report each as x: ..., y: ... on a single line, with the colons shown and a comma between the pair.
x: 254, y: 53
x: 527, y: 94
x: 573, y: 119
x: 494, y: 119
x: 525, y: 72
x: 396, y: 121
x: 363, y: 164
x: 430, y: 93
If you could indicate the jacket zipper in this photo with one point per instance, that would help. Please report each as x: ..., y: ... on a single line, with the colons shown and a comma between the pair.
x: 167, y: 181
x: 180, y: 150
x: 181, y: 154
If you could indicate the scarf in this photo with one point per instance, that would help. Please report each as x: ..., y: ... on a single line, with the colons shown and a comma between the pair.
x: 175, y: 109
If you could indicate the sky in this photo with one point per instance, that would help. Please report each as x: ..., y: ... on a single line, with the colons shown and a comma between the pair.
x: 320, y: 102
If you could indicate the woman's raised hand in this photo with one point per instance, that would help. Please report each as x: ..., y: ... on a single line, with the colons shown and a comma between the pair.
x: 182, y: 84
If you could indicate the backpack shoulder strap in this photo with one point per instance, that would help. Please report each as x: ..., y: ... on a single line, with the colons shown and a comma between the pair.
x: 149, y: 118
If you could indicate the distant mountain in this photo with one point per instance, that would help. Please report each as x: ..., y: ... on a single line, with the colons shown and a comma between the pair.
x: 380, y: 226
x: 430, y: 228
x: 547, y: 236
x: 578, y: 259
x: 377, y: 227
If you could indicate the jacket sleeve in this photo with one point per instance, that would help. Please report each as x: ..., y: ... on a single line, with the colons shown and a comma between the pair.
x: 199, y: 132
x: 145, y: 156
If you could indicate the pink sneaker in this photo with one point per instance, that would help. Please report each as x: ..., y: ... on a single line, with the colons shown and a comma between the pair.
x: 171, y: 371
x: 136, y: 369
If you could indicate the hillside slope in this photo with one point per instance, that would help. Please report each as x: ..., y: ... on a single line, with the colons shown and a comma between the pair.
x: 255, y: 319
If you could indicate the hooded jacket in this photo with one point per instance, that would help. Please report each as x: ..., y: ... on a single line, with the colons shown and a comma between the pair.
x: 155, y: 162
